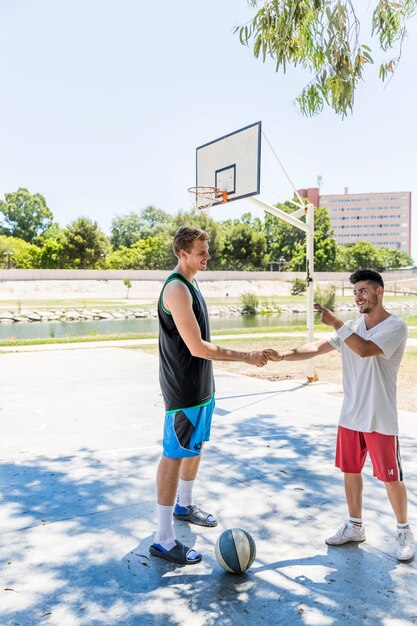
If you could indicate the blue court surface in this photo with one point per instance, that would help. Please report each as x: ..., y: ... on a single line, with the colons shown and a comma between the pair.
x: 79, y: 447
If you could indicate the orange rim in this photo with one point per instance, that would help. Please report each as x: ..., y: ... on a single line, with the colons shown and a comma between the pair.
x: 206, y: 196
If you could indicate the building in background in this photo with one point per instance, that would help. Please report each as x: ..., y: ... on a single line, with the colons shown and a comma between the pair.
x: 383, y: 219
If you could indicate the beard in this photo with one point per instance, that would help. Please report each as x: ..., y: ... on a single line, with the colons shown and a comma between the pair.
x: 368, y: 306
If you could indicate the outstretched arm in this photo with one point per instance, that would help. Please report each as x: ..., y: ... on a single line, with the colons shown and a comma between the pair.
x: 306, y: 351
x: 177, y: 300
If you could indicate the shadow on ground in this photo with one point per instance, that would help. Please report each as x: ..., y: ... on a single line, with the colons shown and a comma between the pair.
x: 76, y: 531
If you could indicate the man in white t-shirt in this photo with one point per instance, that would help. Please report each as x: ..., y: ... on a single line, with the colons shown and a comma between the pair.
x: 372, y: 347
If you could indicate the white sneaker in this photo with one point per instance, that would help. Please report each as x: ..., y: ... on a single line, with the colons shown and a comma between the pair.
x: 405, y: 544
x: 346, y: 533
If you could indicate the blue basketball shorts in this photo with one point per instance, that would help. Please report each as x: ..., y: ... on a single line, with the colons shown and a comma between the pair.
x: 186, y: 429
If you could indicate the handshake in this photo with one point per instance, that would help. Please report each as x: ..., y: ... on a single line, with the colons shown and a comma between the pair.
x: 261, y: 357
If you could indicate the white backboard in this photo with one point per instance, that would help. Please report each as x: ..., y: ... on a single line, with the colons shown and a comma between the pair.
x: 232, y: 163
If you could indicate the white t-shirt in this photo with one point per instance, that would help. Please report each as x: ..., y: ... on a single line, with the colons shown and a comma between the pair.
x: 370, y: 383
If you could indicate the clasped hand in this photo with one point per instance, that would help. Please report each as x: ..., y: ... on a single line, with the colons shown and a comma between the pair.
x: 261, y: 357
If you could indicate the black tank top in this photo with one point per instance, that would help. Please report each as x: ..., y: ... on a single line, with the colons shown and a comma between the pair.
x: 185, y: 380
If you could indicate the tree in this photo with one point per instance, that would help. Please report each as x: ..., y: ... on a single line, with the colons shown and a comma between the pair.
x: 51, y: 253
x: 18, y: 253
x: 84, y: 244
x: 24, y: 215
x: 125, y: 230
x: 360, y: 255
x: 325, y: 254
x: 128, y: 284
x: 396, y: 259
x: 52, y: 233
x: 154, y: 253
x: 128, y: 229
x: 123, y: 258
x: 288, y: 242
x: 365, y: 255
x: 244, y: 247
x: 154, y: 221
x: 280, y: 236
x: 322, y: 36
x: 254, y: 222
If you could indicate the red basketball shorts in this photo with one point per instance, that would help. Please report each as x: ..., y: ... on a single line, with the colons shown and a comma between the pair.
x: 353, y: 446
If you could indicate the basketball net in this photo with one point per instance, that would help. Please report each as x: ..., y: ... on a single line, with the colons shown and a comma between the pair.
x: 204, y: 198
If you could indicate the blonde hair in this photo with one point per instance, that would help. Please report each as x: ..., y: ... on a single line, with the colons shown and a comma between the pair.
x: 185, y: 236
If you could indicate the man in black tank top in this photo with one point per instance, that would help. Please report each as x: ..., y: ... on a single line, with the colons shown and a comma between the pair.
x: 186, y: 377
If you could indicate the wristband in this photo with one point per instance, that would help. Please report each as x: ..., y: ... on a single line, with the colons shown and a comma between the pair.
x: 344, y: 332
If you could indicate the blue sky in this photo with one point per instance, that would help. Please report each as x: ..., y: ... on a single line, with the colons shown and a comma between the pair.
x: 103, y: 103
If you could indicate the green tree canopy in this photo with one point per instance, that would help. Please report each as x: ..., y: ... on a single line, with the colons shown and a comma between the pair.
x: 280, y: 236
x: 288, y: 242
x: 24, y: 215
x: 244, y: 247
x: 125, y: 230
x: 325, y: 245
x: 360, y: 255
x: 51, y: 255
x: 254, y: 222
x: 322, y: 36
x: 52, y: 233
x: 84, y: 244
x: 128, y: 229
x: 153, y: 253
x: 154, y: 221
x: 325, y: 255
x: 18, y: 253
x: 396, y: 259
x: 365, y: 255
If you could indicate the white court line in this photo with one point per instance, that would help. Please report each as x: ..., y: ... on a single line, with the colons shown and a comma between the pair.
x: 9, y: 445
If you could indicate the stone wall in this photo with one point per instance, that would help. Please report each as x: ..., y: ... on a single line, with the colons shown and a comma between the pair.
x: 146, y: 285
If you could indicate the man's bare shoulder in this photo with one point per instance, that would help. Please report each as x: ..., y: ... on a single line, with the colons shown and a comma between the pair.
x: 176, y: 292
x: 176, y: 287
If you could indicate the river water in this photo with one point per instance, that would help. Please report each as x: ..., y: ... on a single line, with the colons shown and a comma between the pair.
x: 43, y: 330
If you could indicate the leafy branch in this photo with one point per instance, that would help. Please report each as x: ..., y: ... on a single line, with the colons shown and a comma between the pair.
x: 322, y: 36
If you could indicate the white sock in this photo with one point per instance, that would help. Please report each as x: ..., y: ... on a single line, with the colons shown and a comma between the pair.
x: 185, y: 492
x: 403, y: 525
x: 355, y: 521
x: 164, y: 535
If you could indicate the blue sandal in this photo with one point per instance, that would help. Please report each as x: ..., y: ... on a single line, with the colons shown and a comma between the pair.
x: 178, y: 554
x: 194, y: 515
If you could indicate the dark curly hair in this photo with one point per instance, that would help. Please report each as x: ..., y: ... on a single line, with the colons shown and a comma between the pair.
x: 369, y: 275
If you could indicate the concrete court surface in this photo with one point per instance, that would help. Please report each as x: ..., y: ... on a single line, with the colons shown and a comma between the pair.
x: 80, y: 442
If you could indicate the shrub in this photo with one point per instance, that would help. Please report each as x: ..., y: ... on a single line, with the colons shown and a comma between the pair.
x: 249, y: 303
x: 128, y: 284
x: 299, y: 285
x: 325, y: 297
x: 15, y: 252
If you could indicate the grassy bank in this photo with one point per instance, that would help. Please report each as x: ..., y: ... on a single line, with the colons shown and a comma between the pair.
x: 123, y: 336
x: 85, y: 339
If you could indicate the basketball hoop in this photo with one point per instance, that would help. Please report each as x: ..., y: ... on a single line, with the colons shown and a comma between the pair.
x: 204, y: 197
